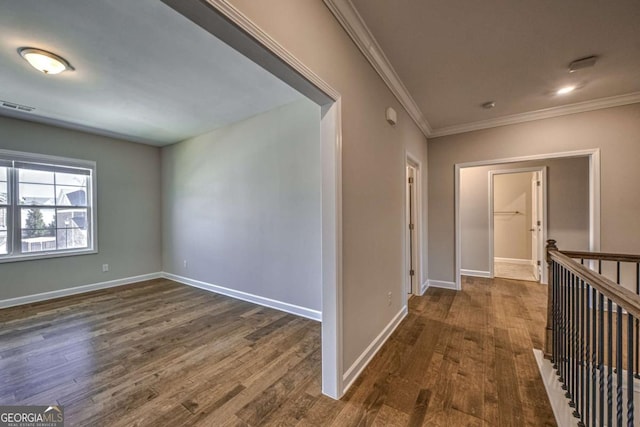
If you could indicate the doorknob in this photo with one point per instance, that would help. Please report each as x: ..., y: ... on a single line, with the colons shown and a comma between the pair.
x: 532, y: 229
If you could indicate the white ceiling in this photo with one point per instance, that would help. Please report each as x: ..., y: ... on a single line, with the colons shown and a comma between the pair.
x: 143, y: 71
x: 454, y: 55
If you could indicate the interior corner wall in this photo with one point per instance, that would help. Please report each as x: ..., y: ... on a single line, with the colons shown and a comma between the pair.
x: 373, y: 165
x: 242, y: 206
x: 615, y: 131
x: 128, y: 229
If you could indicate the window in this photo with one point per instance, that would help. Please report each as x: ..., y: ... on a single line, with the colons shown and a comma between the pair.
x: 46, y: 206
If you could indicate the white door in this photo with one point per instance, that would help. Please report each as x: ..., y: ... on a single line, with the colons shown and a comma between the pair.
x: 536, y: 224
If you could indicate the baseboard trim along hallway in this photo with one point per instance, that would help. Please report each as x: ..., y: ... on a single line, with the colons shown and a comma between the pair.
x: 442, y: 284
x: 244, y: 296
x: 475, y: 273
x: 361, y: 362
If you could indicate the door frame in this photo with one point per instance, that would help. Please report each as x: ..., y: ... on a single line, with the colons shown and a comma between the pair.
x: 230, y: 25
x: 542, y: 242
x: 594, y: 196
x: 420, y: 284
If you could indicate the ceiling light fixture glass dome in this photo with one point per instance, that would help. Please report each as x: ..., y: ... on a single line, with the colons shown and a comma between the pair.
x: 45, y: 62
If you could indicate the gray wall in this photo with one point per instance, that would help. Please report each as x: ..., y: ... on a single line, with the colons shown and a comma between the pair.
x: 242, y: 206
x: 373, y: 162
x: 128, y: 210
x: 616, y: 131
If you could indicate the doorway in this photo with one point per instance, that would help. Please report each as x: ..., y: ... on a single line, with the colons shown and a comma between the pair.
x: 236, y: 30
x: 413, y: 231
x: 517, y: 202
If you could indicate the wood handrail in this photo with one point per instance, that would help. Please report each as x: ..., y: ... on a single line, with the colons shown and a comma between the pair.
x: 619, y: 295
x: 602, y: 256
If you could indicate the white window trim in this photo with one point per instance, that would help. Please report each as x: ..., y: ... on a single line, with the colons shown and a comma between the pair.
x: 93, y: 211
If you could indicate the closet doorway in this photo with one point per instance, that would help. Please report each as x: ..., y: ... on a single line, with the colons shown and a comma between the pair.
x: 517, y: 204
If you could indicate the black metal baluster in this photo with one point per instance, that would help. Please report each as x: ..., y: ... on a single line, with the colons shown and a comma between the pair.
x: 636, y: 370
x: 587, y: 355
x: 572, y: 344
x: 565, y: 329
x: 594, y: 353
x: 582, y: 359
x: 554, y: 314
x: 630, y: 384
x: 576, y: 344
x: 610, y: 362
x: 561, y: 314
x: 601, y: 356
x: 619, y: 365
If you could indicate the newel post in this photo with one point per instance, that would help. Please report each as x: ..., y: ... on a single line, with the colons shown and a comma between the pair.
x: 548, y: 341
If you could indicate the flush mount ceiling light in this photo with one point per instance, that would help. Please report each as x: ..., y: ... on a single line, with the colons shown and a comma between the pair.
x: 45, y: 62
x: 565, y: 90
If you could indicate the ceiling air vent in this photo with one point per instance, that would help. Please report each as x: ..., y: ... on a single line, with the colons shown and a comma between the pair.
x: 14, y: 106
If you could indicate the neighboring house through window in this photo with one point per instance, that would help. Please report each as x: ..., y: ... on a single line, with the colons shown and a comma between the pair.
x: 46, y: 206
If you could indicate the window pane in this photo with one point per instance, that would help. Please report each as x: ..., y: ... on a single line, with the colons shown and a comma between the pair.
x: 71, y: 196
x: 3, y: 193
x: 71, y: 179
x: 38, y: 230
x: 3, y: 242
x: 37, y: 222
x: 3, y: 186
x: 36, y: 194
x: 3, y: 231
x: 35, y: 177
x: 72, y: 228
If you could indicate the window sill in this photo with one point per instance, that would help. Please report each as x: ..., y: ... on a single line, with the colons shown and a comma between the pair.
x: 46, y: 255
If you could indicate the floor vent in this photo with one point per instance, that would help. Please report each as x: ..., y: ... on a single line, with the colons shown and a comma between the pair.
x: 14, y: 106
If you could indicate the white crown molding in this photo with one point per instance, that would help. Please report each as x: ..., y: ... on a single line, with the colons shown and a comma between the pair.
x: 354, y: 25
x: 580, y: 107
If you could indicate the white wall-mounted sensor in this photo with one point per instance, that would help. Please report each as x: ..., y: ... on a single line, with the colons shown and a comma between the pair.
x: 391, y: 116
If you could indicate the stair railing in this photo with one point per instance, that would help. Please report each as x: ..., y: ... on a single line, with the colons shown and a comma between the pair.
x: 592, y: 334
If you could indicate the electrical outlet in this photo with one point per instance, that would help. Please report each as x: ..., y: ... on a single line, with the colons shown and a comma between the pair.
x: 389, y: 298
x: 105, y: 268
x: 185, y: 264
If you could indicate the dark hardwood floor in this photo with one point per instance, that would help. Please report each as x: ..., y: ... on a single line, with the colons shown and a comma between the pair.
x: 162, y: 354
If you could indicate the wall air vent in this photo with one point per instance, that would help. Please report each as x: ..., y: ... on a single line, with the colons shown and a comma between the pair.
x: 14, y: 106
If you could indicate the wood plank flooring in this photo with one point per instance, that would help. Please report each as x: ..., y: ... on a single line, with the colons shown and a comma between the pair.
x: 162, y: 354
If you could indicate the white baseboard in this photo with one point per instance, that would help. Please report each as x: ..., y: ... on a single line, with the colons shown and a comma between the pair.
x: 475, y: 273
x: 559, y: 403
x: 244, y: 296
x: 28, y: 299
x: 361, y: 362
x: 442, y: 284
x: 514, y: 261
x: 424, y: 287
